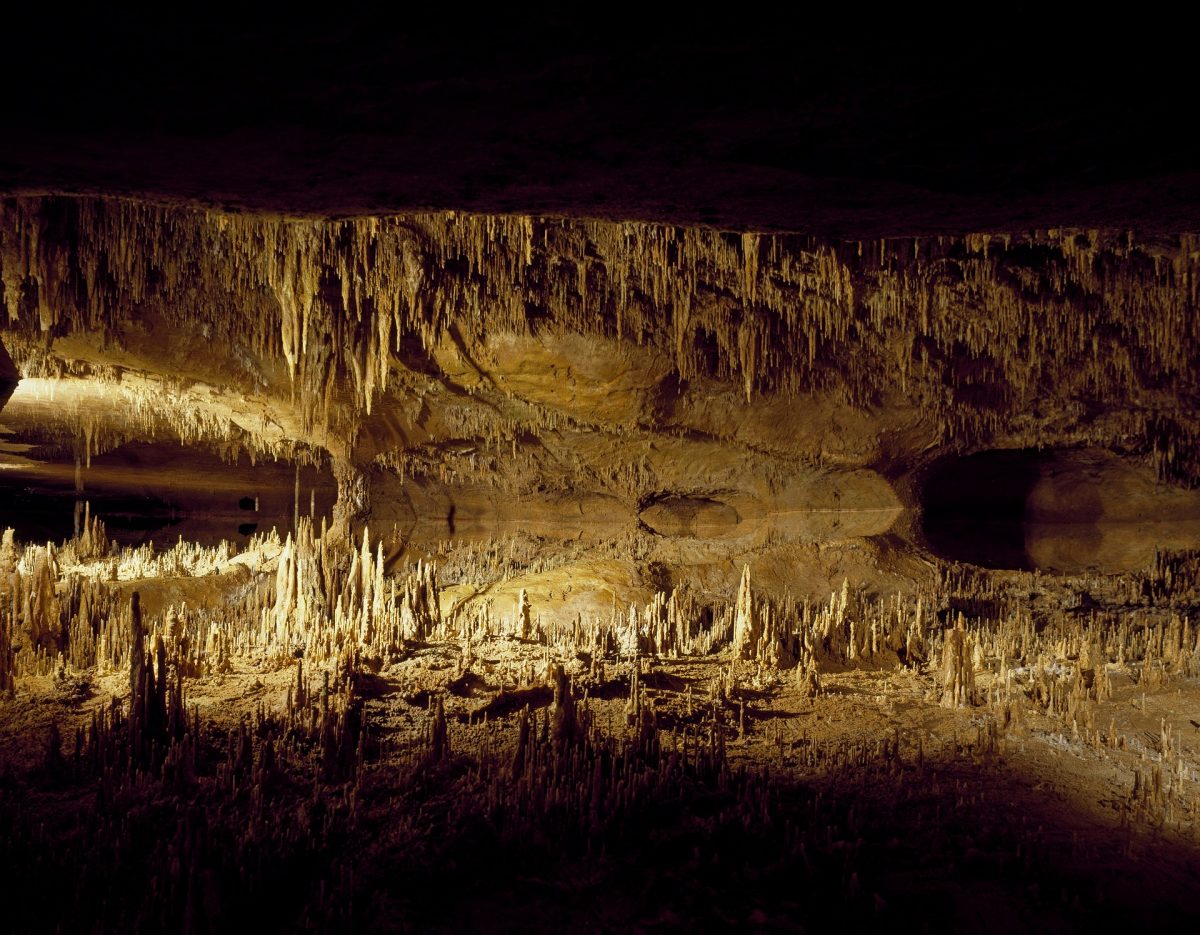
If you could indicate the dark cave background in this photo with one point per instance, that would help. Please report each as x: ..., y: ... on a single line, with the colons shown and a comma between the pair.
x: 840, y: 122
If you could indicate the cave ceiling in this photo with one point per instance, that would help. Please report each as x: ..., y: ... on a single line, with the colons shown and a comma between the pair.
x: 708, y: 395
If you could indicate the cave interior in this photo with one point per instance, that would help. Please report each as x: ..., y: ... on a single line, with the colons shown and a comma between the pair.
x: 719, y: 478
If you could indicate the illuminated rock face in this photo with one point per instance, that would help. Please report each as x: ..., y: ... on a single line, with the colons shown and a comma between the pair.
x: 717, y: 396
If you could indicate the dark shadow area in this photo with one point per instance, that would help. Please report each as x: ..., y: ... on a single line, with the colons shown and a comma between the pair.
x: 47, y: 513
x: 950, y: 847
x: 818, y: 119
x: 973, y: 507
x: 154, y: 491
x: 1064, y: 512
x: 9, y: 377
x: 6, y: 391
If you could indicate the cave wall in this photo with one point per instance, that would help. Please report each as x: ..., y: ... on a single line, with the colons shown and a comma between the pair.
x: 469, y: 372
x: 995, y: 336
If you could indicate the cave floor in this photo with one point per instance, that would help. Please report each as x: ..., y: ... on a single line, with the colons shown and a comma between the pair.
x: 715, y: 790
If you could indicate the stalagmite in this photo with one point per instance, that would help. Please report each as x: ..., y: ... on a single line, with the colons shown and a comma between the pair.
x: 745, y: 625
x: 524, y: 626
x: 958, y: 675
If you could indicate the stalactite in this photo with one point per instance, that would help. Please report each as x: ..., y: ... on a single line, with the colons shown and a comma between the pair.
x: 968, y: 325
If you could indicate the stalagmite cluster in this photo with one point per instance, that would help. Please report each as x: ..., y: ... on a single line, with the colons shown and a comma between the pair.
x: 349, y: 679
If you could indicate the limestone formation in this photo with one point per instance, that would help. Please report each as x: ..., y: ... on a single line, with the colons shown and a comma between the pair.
x: 588, y: 540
